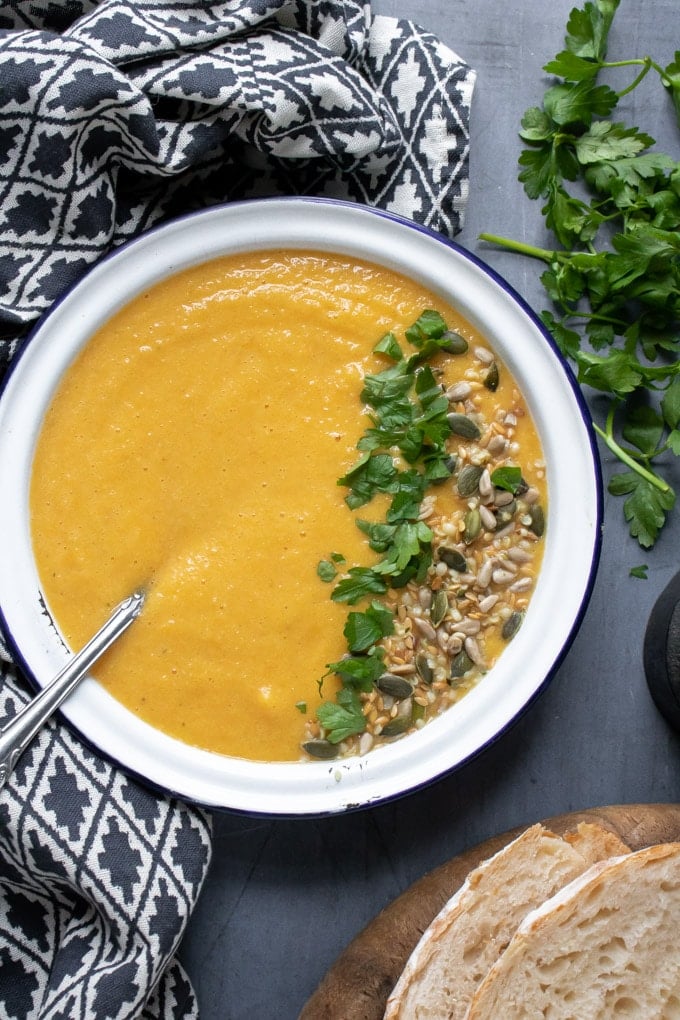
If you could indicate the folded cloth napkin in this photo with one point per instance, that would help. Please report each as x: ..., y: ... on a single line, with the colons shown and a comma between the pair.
x: 98, y: 877
x: 115, y: 116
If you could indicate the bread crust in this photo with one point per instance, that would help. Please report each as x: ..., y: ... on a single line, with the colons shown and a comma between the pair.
x: 600, y: 947
x: 474, y: 927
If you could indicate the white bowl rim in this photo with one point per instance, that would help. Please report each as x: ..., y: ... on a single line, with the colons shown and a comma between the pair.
x: 310, y: 788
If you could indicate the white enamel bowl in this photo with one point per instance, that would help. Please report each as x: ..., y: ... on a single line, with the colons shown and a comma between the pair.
x: 573, y: 521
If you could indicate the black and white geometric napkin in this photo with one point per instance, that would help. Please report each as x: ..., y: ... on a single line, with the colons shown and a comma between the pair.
x: 98, y: 878
x: 115, y: 116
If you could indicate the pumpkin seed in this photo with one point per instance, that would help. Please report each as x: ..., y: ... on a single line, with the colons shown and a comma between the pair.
x: 492, y: 378
x: 505, y: 514
x: 512, y: 625
x: 396, y: 686
x: 462, y: 425
x: 439, y: 607
x: 395, y: 727
x: 425, y: 671
x: 453, y: 559
x: 537, y: 520
x: 453, y: 343
x: 320, y: 749
x: 473, y: 526
x: 468, y: 479
x: 460, y: 664
x: 418, y: 712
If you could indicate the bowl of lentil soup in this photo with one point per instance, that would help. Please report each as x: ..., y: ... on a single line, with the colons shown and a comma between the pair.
x: 340, y: 454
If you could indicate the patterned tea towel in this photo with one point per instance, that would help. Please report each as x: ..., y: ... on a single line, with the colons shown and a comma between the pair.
x: 115, y: 116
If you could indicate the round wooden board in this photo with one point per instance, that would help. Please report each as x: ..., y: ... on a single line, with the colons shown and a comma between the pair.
x: 357, y: 985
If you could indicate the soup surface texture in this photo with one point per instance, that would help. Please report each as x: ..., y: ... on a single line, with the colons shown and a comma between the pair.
x: 193, y: 449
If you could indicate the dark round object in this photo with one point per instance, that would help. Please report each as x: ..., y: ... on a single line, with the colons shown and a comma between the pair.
x: 662, y: 652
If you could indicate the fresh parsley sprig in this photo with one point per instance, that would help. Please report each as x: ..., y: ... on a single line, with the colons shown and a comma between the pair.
x: 612, y: 204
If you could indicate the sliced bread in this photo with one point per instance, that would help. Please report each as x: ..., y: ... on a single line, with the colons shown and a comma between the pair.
x: 603, y: 947
x: 477, y: 923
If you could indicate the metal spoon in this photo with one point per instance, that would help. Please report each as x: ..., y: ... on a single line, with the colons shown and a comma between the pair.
x: 18, y: 733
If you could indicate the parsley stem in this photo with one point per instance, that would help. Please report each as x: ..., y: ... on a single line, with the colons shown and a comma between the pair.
x: 519, y: 246
x: 608, y: 438
x: 646, y: 63
x: 573, y: 317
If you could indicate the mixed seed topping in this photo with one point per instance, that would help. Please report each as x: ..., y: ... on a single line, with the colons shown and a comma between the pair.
x: 460, y: 544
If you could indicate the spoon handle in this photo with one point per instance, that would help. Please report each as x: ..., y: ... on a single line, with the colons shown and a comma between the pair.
x: 19, y: 731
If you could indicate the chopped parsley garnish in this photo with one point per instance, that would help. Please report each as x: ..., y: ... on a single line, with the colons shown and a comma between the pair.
x: 365, y: 629
x: 344, y: 718
x: 326, y: 570
x: 508, y: 478
x: 369, y: 475
x: 360, y: 582
x: 359, y: 671
x: 403, y: 452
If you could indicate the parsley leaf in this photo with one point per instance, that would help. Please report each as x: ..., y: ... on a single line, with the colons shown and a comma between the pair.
x: 645, y: 508
x: 572, y: 67
x: 587, y: 29
x: 405, y: 505
x: 616, y: 372
x: 671, y: 81
x: 369, y: 475
x: 507, y: 477
x: 365, y: 629
x: 389, y: 345
x: 359, y: 582
x: 410, y: 549
x: 389, y: 389
x: 429, y: 325
x: 605, y: 141
x: 670, y: 404
x: 343, y: 718
x: 379, y: 535
x: 359, y: 671
x: 643, y: 428
x: 579, y: 103
x: 326, y: 570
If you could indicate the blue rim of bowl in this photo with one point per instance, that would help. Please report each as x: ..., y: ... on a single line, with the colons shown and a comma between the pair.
x: 579, y: 400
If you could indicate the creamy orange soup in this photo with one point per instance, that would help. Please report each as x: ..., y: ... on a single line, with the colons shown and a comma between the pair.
x: 193, y: 449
